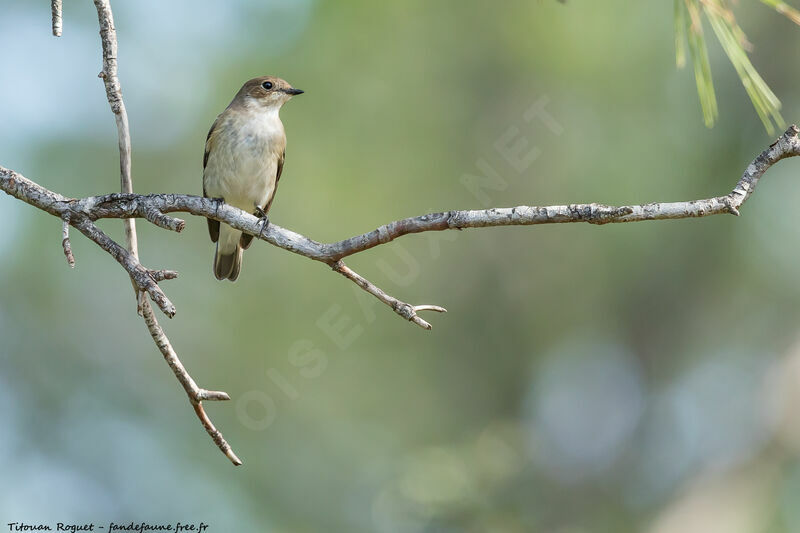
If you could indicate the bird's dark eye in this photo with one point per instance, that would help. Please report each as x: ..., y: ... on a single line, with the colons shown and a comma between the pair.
x: 267, y: 85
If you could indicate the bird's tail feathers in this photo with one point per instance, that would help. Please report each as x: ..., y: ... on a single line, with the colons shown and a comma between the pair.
x: 228, y: 255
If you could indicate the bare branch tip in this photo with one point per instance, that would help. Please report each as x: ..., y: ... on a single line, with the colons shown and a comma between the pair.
x: 731, y: 206
x: 212, y: 395
x: 65, y: 243
x: 68, y: 253
x: 232, y: 456
x: 55, y: 8
x: 421, y: 323
x: 161, y: 275
x: 169, y: 309
x: 416, y: 319
x: 435, y: 308
x: 148, y: 285
x: 158, y: 296
x: 214, y: 433
x: 161, y: 220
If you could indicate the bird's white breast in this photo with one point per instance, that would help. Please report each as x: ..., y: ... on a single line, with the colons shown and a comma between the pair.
x: 243, y: 161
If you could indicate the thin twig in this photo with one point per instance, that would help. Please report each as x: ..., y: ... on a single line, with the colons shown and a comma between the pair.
x: 144, y: 280
x: 65, y: 244
x: 405, y: 310
x: 110, y: 78
x: 195, y: 393
x: 55, y: 8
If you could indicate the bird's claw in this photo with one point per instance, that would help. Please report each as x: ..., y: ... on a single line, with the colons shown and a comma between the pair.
x: 262, y: 215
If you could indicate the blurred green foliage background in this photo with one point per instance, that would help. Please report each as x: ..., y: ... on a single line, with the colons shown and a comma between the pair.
x: 634, y: 377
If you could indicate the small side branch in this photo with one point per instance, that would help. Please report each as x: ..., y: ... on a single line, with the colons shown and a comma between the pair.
x: 196, y: 394
x: 65, y: 244
x: 405, y: 310
x: 55, y: 8
x: 143, y: 278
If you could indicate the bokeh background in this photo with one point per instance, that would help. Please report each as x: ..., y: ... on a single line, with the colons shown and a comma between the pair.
x: 635, y: 377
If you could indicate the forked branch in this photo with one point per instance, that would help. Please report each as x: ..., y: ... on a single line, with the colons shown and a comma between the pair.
x: 83, y: 213
x: 144, y: 280
x: 155, y: 209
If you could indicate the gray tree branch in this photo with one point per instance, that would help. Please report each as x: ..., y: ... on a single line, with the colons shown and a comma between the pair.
x: 155, y: 209
x: 144, y: 280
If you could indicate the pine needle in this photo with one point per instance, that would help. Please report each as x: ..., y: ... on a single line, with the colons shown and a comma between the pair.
x: 784, y: 9
x: 702, y: 67
x: 680, y: 34
x: 735, y: 44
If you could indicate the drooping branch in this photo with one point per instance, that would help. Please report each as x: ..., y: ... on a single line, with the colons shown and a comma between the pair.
x: 155, y: 207
x: 55, y: 9
x: 405, y: 310
x: 65, y: 243
x: 142, y: 279
x: 110, y: 77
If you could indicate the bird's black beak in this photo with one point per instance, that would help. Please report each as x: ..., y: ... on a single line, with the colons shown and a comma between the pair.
x: 292, y: 91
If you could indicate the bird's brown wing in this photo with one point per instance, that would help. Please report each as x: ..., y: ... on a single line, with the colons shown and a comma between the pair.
x: 213, y: 225
x: 246, y: 240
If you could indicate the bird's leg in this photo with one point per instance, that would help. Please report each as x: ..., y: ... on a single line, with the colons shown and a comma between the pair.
x: 261, y: 214
x: 218, y: 202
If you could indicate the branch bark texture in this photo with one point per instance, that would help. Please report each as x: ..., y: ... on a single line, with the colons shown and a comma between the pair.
x: 56, y: 10
x: 155, y: 208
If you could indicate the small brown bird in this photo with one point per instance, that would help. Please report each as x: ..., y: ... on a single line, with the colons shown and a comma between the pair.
x: 245, y: 151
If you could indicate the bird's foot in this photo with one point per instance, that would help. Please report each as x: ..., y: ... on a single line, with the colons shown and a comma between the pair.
x: 264, y: 219
x: 218, y: 202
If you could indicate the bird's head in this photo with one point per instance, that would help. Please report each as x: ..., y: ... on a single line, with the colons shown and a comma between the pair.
x: 267, y: 92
